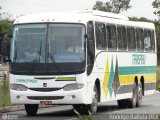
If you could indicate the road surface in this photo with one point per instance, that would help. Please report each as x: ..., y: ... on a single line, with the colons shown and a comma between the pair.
x: 149, y: 110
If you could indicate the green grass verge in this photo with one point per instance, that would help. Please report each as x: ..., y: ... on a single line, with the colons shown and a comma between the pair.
x: 158, y: 78
x: 4, y: 96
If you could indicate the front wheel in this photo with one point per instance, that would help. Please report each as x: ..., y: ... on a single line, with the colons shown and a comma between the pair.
x: 31, y: 109
x: 93, y: 106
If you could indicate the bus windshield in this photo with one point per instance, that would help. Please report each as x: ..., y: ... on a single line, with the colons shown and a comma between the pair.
x: 48, y: 43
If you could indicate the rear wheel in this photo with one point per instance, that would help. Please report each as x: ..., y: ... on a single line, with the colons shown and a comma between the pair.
x: 139, y: 96
x: 132, y: 102
x: 31, y: 109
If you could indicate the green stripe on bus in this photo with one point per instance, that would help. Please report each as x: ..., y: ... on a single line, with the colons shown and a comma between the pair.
x: 137, y: 70
x: 66, y: 79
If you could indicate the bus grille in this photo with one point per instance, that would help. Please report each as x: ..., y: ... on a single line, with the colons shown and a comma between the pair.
x: 45, y: 97
x: 44, y: 89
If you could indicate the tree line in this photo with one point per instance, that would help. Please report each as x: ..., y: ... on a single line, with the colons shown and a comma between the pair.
x: 114, y: 6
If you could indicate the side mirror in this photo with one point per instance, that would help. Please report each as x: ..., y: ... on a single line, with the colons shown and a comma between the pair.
x: 5, y: 48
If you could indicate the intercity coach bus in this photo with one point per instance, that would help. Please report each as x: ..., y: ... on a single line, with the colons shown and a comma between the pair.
x: 81, y: 58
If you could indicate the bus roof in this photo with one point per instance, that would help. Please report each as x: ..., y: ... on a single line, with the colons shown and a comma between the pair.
x: 82, y: 16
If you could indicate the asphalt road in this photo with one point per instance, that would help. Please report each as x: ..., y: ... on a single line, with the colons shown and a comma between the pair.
x: 149, y: 110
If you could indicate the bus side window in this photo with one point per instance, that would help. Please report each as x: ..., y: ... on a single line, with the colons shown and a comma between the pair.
x: 153, y: 40
x: 119, y: 37
x: 111, y: 37
x: 131, y: 38
x: 124, y: 37
x: 147, y: 40
x: 122, y: 43
x: 139, y: 37
x: 100, y: 35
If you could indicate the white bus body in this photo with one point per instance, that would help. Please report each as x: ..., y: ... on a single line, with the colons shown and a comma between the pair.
x: 113, y: 70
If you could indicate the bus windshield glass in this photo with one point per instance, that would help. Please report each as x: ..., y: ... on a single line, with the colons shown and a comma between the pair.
x: 52, y: 43
x: 66, y: 43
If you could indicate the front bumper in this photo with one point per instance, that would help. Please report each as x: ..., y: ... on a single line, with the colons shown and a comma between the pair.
x: 55, y: 97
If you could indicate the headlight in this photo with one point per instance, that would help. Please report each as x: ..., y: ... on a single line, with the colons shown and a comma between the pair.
x: 18, y: 87
x: 73, y: 87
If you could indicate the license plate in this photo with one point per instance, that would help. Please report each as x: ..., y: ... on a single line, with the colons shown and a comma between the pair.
x: 45, y: 102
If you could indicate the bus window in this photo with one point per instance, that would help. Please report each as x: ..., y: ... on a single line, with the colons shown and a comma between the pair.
x: 153, y: 41
x: 139, y: 37
x: 122, y: 43
x: 147, y: 40
x: 100, y: 36
x: 111, y: 37
x: 131, y: 39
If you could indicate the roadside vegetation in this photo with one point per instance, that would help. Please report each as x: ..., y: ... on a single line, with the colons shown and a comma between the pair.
x: 158, y: 78
x: 4, y: 90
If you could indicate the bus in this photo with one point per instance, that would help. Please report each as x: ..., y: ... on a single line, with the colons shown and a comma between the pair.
x: 81, y: 58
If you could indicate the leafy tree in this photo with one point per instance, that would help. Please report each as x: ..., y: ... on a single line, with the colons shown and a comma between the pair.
x: 142, y: 19
x: 0, y: 11
x: 5, y: 27
x: 102, y: 6
x: 156, y: 5
x: 115, y: 6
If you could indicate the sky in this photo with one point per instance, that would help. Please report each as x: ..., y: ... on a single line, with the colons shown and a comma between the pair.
x: 140, y: 8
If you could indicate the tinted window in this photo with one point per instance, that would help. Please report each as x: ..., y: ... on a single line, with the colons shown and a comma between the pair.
x: 100, y: 36
x: 153, y: 40
x: 147, y: 40
x: 111, y: 37
x: 122, y: 43
x: 139, y: 38
x: 131, y: 38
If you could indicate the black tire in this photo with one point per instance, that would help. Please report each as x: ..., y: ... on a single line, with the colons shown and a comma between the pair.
x: 92, y: 108
x: 133, y: 100
x: 31, y: 109
x: 139, y: 96
x: 129, y: 103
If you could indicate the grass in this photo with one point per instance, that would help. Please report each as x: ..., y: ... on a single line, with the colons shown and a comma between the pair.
x: 158, y: 77
x: 4, y: 91
x: 4, y: 96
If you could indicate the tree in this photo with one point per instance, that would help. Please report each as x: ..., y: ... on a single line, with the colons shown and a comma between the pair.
x: 156, y: 5
x: 115, y: 6
x: 102, y: 6
x: 0, y: 11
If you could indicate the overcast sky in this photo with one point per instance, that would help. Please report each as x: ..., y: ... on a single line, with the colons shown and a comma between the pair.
x: 140, y: 8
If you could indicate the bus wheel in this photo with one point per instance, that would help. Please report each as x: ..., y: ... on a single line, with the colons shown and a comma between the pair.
x: 92, y: 108
x: 31, y: 109
x: 133, y: 100
x: 139, y: 96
